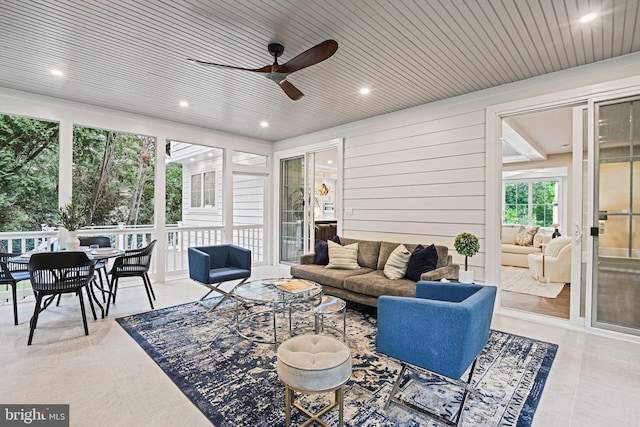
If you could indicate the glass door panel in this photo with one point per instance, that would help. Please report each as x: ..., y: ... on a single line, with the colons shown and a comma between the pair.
x: 616, y: 280
x: 292, y: 203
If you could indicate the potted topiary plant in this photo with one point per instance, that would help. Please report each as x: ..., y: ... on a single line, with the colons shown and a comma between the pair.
x: 71, y: 217
x: 466, y: 244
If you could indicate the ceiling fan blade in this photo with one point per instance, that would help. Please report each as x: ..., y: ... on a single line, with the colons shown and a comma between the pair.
x: 265, y: 69
x: 312, y: 56
x: 291, y: 91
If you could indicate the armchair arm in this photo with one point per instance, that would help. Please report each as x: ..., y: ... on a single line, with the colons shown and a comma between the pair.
x: 199, y: 265
x: 239, y: 257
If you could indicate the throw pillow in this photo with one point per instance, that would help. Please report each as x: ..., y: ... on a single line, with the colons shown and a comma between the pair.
x: 343, y: 257
x: 321, y: 250
x: 525, y: 236
x: 422, y: 260
x: 396, y: 265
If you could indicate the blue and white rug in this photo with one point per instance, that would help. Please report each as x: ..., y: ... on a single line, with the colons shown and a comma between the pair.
x: 234, y: 382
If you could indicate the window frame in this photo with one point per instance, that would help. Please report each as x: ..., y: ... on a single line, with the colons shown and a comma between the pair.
x: 203, y: 197
x: 559, y: 199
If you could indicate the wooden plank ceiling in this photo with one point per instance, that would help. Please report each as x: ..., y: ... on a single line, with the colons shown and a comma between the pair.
x: 131, y: 55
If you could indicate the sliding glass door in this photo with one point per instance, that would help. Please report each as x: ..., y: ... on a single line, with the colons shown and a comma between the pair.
x: 616, y: 227
x: 292, y: 208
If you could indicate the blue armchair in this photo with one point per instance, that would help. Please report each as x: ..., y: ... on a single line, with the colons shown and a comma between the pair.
x: 213, y: 265
x: 442, y: 331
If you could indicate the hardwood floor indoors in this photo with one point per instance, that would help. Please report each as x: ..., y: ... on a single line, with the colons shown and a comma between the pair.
x: 557, y: 307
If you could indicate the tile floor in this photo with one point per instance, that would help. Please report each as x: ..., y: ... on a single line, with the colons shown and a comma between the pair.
x: 108, y: 380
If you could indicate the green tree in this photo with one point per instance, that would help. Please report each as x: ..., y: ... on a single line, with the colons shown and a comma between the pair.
x: 28, y: 172
x: 174, y: 192
x: 114, y: 176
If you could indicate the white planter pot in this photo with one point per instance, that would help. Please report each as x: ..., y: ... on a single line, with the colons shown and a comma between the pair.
x: 466, y: 276
x: 73, y: 243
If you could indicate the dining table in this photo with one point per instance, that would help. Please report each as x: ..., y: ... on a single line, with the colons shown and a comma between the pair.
x: 97, y: 254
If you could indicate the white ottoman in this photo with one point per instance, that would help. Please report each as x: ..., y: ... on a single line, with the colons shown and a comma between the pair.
x: 313, y: 364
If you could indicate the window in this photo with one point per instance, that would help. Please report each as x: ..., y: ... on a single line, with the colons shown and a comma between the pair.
x: 203, y: 190
x: 531, y: 202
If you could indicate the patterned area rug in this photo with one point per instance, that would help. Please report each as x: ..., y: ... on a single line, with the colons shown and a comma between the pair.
x: 517, y: 279
x: 234, y: 382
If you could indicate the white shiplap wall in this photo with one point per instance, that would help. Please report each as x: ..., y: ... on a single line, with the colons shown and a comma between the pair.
x: 418, y: 183
x: 420, y: 175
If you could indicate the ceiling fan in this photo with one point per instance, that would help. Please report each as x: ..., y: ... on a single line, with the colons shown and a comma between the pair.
x: 278, y: 73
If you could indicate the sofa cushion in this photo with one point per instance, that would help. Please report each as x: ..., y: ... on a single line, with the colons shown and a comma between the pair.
x: 343, y: 257
x: 387, y: 247
x: 368, y: 251
x: 509, y: 235
x: 376, y: 283
x: 422, y: 260
x: 396, y: 265
x: 318, y: 273
x: 517, y: 249
x: 385, y: 250
x: 525, y: 236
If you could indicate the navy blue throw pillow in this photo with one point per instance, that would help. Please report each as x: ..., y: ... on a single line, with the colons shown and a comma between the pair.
x: 422, y: 260
x: 321, y: 249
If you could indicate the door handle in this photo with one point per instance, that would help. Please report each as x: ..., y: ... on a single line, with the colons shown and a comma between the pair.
x: 577, y: 232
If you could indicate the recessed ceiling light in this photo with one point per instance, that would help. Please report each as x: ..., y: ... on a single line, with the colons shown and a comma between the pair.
x: 565, y: 146
x: 330, y: 161
x: 183, y: 103
x: 589, y: 17
x: 57, y: 72
x: 364, y: 91
x: 264, y: 124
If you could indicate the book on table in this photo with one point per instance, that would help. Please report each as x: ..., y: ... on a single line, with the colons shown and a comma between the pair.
x: 294, y: 286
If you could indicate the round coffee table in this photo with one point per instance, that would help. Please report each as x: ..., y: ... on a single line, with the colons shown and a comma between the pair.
x: 274, y: 295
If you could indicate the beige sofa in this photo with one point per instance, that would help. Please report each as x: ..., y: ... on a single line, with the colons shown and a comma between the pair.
x: 516, y: 255
x: 365, y: 284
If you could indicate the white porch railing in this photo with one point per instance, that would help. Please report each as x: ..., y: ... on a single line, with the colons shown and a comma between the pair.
x: 178, y: 240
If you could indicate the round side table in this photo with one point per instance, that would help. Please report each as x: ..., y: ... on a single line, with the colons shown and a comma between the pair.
x: 330, y: 305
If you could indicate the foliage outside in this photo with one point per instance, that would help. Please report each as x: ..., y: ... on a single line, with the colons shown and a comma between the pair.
x: 517, y: 207
x: 113, y: 176
x: 468, y: 245
x: 28, y: 173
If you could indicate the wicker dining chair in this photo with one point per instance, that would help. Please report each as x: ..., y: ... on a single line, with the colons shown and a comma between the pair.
x: 56, y: 273
x: 10, y: 275
x: 134, y: 263
x: 101, y: 265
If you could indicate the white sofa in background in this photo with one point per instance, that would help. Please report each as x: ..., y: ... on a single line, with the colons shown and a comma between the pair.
x: 557, y: 261
x: 516, y: 255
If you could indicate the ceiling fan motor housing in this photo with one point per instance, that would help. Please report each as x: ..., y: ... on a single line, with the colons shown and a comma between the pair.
x: 275, y: 49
